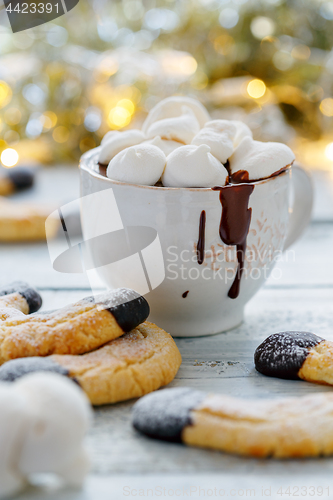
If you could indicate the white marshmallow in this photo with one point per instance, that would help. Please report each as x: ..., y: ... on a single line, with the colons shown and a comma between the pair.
x: 110, y: 135
x: 260, y: 159
x: 219, y: 138
x: 142, y: 164
x: 43, y: 420
x: 181, y: 128
x: 113, y: 143
x: 60, y: 415
x: 13, y: 423
x: 172, y: 107
x: 166, y: 146
x: 242, y: 131
x: 235, y: 129
x: 193, y: 166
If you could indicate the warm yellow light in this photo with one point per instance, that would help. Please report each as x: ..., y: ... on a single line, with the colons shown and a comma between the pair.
x: 49, y: 119
x: 119, y: 117
x: 301, y: 52
x: 188, y: 65
x: 256, y: 88
x: 60, y: 134
x: 326, y: 106
x: 9, y: 157
x: 329, y: 151
x: 5, y: 94
x: 262, y: 26
x: 13, y: 116
x: 126, y: 104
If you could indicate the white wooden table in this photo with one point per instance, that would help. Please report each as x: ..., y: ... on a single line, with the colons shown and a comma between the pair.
x: 126, y: 464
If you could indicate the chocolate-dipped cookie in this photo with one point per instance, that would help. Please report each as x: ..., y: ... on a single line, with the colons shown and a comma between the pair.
x: 279, y: 428
x: 75, y: 329
x: 32, y: 299
x: 130, y: 366
x: 296, y: 355
x: 16, y: 179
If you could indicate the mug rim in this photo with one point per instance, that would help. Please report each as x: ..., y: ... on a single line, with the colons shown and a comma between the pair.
x: 88, y: 157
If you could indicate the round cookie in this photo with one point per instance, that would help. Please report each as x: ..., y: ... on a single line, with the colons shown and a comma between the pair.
x: 75, y: 329
x: 279, y: 428
x: 128, y: 367
x: 23, y: 222
x: 296, y: 355
x: 16, y: 179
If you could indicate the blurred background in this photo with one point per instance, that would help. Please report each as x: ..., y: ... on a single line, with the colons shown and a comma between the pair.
x: 103, y: 65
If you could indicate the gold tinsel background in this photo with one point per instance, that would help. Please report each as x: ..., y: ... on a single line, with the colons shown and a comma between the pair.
x: 103, y: 65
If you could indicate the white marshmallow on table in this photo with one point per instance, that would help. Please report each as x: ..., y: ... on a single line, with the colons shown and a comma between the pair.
x: 193, y: 166
x: 164, y: 144
x: 219, y: 138
x: 260, y: 159
x: 13, y: 425
x: 171, y: 107
x: 43, y: 420
x: 115, y: 141
x: 142, y: 164
x: 181, y: 128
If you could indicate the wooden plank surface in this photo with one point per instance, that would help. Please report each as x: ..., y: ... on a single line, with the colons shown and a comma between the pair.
x: 298, y: 297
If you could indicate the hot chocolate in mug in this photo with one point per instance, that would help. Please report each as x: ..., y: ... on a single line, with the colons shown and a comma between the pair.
x: 211, y: 248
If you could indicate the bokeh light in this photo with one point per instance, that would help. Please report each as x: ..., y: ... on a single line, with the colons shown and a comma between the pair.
x: 329, y: 151
x: 5, y: 94
x: 256, y: 88
x: 60, y: 134
x: 9, y: 157
x: 326, y: 106
x: 119, y: 117
x: 262, y: 27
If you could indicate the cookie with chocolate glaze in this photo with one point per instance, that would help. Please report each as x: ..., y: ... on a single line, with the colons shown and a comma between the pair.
x: 296, y: 355
x: 32, y: 299
x: 16, y: 179
x: 75, y: 329
x: 254, y: 428
x: 128, y: 367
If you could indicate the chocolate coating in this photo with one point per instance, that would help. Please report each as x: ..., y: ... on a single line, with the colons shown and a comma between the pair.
x: 128, y: 307
x: 131, y: 314
x: 17, y: 368
x: 283, y: 354
x: 21, y: 177
x: 32, y: 297
x: 164, y: 414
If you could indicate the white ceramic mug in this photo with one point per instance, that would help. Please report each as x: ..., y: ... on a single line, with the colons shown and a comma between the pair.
x: 192, y: 299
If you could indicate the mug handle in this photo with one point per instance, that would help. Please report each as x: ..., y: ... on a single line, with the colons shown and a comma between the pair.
x: 301, y: 210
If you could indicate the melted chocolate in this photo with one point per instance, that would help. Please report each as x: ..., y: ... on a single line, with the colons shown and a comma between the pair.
x: 235, y: 223
x: 242, y: 176
x: 283, y: 354
x: 102, y: 169
x: 201, y: 238
x: 185, y: 294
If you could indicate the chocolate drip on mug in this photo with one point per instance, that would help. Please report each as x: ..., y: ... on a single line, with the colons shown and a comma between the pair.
x: 235, y: 224
x: 201, y: 239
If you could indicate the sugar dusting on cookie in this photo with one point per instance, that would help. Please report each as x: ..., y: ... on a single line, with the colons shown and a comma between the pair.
x: 283, y: 354
x: 164, y: 414
x: 17, y: 368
